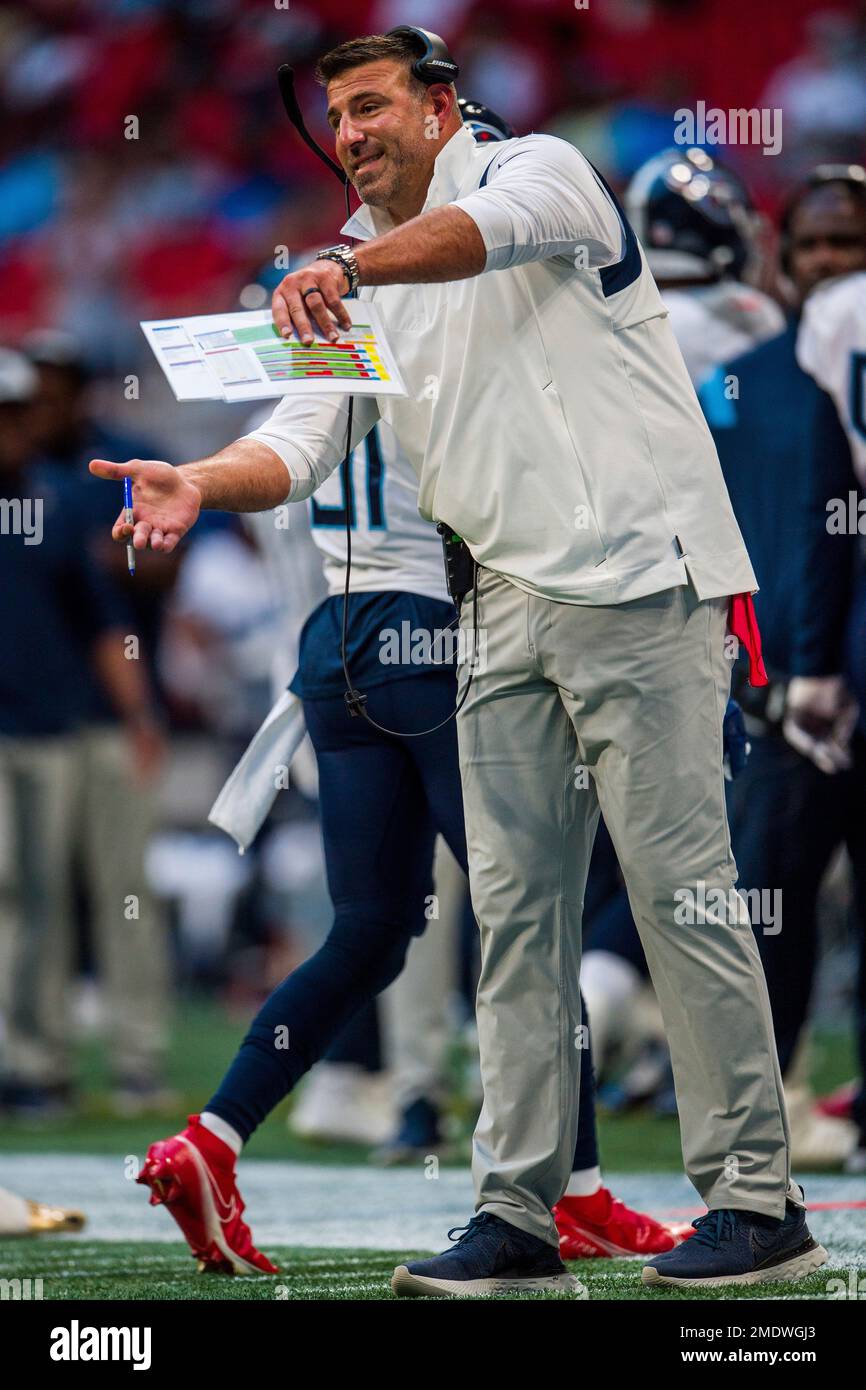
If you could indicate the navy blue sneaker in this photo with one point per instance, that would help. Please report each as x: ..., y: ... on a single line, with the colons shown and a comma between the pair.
x: 490, y: 1257
x: 740, y: 1247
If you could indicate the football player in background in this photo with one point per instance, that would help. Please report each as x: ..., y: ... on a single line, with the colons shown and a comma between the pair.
x: 831, y: 343
x: 803, y: 795
x: 700, y: 232
x: 806, y: 592
x: 831, y: 347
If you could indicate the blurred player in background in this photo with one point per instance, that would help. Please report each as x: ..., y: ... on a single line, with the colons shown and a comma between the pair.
x: 831, y: 344
x: 762, y: 409
x: 774, y: 833
x: 831, y: 347
x: 700, y: 232
x: 119, y: 760
x: 803, y: 794
x: 63, y: 639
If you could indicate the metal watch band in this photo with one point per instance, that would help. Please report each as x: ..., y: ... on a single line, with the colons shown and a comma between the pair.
x: 344, y: 256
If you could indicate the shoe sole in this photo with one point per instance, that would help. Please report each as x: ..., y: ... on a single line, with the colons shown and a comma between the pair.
x: 789, y: 1271
x: 404, y: 1284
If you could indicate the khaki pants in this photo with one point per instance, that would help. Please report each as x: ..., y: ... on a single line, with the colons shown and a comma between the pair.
x: 618, y: 707
x: 71, y: 800
x: 128, y: 928
x: 38, y: 779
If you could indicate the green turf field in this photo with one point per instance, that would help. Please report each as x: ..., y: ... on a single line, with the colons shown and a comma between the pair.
x: 130, y: 1252
x: 139, y: 1270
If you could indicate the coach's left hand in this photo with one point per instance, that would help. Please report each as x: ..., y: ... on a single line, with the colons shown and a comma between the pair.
x: 312, y: 297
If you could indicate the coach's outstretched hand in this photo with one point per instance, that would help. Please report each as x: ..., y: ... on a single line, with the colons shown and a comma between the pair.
x: 165, y: 504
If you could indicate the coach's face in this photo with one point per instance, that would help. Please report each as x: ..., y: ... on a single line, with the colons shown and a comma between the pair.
x: 388, y: 131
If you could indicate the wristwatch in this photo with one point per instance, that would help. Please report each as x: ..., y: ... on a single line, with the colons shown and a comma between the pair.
x: 344, y: 256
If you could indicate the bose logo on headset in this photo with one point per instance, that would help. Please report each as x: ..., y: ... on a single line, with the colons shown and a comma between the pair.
x: 434, y: 53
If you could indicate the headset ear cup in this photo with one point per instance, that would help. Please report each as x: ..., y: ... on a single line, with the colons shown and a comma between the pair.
x: 428, y: 68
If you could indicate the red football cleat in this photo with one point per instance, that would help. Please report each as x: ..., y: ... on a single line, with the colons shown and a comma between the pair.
x: 193, y: 1175
x: 601, y: 1225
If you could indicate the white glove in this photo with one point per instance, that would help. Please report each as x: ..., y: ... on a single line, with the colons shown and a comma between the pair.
x: 820, y: 718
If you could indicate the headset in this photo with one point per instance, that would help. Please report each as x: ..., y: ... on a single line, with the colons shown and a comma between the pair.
x: 853, y: 176
x: 434, y: 64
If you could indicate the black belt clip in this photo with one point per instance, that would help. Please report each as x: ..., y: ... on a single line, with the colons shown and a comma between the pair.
x: 459, y: 564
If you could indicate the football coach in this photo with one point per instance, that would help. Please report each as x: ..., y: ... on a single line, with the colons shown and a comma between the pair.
x: 552, y: 424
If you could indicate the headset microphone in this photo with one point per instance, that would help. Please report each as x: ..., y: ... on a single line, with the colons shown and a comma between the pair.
x: 286, y: 80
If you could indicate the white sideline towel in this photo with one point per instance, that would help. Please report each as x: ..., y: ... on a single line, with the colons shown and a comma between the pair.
x: 250, y: 791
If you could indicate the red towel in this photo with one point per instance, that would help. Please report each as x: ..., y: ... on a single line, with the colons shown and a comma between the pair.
x: 744, y: 626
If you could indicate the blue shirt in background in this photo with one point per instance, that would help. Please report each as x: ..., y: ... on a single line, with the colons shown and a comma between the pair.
x: 782, y: 451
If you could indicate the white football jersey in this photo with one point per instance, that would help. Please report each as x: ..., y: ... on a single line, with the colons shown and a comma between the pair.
x: 393, y: 547
x: 296, y: 578
x: 831, y: 347
x: 715, y: 323
x: 304, y: 544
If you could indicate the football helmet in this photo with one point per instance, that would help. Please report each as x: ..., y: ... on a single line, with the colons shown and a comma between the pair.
x: 693, y: 216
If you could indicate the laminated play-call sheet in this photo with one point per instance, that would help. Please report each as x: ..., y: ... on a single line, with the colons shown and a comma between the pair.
x: 241, y: 357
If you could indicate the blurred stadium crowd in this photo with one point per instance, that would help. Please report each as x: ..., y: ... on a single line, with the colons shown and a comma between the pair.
x: 99, y: 230
x: 146, y: 168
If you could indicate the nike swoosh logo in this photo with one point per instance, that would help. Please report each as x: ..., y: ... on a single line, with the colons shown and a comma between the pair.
x: 229, y: 1209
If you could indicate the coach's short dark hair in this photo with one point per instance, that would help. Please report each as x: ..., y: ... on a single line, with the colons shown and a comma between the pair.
x: 372, y: 48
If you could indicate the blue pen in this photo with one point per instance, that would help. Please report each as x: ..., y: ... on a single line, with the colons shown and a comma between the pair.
x: 128, y: 518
